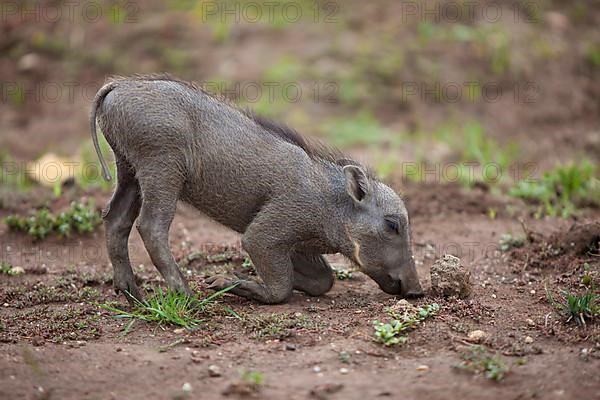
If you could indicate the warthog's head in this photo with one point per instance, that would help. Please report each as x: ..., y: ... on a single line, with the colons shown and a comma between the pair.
x: 378, y: 228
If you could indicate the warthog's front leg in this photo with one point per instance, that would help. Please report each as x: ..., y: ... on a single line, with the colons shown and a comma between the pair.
x: 274, y: 283
x: 312, y: 273
x: 271, y: 257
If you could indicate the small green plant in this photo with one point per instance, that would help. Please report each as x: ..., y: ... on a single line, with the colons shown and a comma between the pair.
x: 247, y: 263
x: 79, y: 218
x: 393, y: 332
x: 593, y: 54
x: 252, y: 377
x: 170, y: 307
x: 248, y: 266
x: 7, y: 269
x: 560, y: 191
x: 508, y: 241
x: 587, y: 279
x: 477, y: 360
x: 576, y: 307
x: 249, y: 384
x: 343, y: 274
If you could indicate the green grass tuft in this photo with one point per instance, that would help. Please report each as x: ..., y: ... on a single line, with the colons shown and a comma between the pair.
x: 576, y: 307
x: 170, y: 307
x: 490, y: 159
x: 563, y: 190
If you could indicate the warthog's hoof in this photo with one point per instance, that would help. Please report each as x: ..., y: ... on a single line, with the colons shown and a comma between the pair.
x: 219, y: 282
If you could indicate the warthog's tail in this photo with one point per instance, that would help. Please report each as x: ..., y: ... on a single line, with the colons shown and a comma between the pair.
x: 104, y: 90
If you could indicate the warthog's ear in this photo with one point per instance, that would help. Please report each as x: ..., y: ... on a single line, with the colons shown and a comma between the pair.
x: 357, y: 183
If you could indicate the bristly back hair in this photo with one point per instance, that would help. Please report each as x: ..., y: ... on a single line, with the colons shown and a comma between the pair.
x: 314, y: 148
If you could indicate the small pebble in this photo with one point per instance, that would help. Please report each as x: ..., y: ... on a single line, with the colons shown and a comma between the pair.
x: 344, y: 371
x: 494, y: 296
x: 476, y: 336
x: 187, y: 387
x: 528, y: 339
x: 290, y: 347
x: 316, y: 369
x: 16, y: 271
x: 530, y: 322
x: 214, y: 371
x: 422, y: 368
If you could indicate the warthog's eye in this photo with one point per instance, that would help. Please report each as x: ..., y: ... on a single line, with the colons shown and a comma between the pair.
x: 392, y: 224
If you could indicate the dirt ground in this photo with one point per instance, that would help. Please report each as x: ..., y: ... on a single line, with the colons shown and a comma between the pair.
x: 56, y: 342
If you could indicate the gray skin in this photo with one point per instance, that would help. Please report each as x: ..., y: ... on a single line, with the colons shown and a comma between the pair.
x: 292, y: 200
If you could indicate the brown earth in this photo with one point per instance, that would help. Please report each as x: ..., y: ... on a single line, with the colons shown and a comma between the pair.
x: 57, y: 343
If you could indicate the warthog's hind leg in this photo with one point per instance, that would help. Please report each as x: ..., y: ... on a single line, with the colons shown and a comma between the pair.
x: 119, y: 217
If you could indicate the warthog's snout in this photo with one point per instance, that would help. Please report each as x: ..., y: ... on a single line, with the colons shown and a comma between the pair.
x: 403, y: 282
x: 406, y: 289
x: 413, y: 293
x: 390, y: 285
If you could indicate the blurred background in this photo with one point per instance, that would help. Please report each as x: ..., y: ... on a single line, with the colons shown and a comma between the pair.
x: 422, y: 91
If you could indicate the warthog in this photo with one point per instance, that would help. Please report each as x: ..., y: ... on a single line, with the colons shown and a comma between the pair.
x: 292, y: 198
